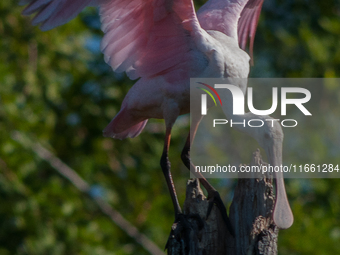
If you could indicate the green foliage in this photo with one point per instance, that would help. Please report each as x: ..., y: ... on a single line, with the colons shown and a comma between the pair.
x: 56, y: 88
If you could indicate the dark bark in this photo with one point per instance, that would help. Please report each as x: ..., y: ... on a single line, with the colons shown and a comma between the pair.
x: 250, y: 214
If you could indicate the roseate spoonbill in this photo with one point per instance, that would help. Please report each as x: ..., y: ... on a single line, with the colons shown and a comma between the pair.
x: 164, y: 43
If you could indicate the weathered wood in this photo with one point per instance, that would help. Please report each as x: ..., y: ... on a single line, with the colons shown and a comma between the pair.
x: 207, y: 236
x: 250, y: 214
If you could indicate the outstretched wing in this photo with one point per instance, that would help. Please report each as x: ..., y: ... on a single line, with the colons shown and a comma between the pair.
x: 142, y: 37
x: 248, y: 23
x: 148, y: 37
x: 237, y: 19
x: 53, y: 13
x: 221, y: 15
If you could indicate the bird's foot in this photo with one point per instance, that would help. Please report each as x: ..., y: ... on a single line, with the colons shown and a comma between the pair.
x: 215, y: 198
x: 180, y: 232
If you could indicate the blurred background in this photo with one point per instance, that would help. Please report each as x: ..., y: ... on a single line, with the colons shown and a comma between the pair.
x: 57, y: 91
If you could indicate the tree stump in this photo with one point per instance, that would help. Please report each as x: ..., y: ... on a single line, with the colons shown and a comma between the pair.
x: 250, y: 214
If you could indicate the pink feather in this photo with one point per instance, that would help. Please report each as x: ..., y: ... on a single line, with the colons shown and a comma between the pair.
x: 53, y: 13
x: 248, y: 24
x: 146, y: 37
x: 235, y: 18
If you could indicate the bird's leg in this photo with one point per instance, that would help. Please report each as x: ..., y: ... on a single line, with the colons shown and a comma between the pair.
x: 213, y: 195
x: 181, y: 226
x: 165, y: 165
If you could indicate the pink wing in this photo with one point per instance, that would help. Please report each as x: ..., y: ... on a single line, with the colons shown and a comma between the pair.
x: 142, y: 37
x: 248, y: 23
x: 237, y: 19
x: 148, y: 37
x: 221, y: 15
x: 53, y: 13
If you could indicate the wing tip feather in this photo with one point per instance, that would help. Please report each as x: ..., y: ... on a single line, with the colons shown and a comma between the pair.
x: 248, y: 24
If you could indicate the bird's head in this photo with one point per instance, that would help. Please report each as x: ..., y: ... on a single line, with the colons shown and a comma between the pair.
x: 270, y: 137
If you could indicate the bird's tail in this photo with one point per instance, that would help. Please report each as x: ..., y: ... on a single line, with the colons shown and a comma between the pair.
x: 123, y: 126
